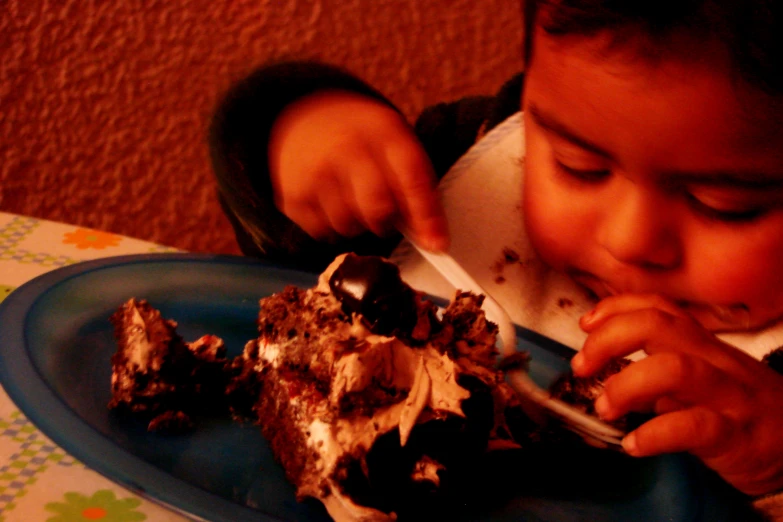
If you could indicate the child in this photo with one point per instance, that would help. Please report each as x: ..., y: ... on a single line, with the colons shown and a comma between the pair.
x: 654, y: 177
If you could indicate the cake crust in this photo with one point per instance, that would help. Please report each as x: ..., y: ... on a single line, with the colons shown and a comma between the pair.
x: 155, y: 373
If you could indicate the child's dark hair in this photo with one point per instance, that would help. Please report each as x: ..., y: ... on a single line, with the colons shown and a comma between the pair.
x: 752, y: 30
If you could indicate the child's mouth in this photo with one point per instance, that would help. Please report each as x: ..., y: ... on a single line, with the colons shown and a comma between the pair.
x: 598, y: 287
x: 719, y: 318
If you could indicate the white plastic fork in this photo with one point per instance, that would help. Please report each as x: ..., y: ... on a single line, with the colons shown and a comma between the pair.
x: 599, y: 433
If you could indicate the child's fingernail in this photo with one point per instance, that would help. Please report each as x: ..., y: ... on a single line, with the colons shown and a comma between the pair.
x: 629, y: 444
x: 578, y: 362
x: 602, y: 406
x: 433, y: 243
x: 588, y: 317
x: 439, y: 244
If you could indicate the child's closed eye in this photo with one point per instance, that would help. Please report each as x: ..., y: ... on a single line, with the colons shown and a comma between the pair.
x: 723, y: 208
x: 582, y: 172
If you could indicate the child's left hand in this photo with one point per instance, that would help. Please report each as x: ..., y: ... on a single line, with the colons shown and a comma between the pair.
x: 712, y: 399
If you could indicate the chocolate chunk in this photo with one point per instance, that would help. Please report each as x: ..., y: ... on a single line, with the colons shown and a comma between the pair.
x: 372, y: 287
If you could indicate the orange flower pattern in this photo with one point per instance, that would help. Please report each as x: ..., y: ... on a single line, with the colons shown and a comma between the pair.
x: 84, y: 238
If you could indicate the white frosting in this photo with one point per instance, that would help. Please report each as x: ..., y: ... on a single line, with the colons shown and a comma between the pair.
x: 139, y: 348
x: 427, y: 469
x: 343, y: 509
x: 269, y: 354
x: 428, y: 376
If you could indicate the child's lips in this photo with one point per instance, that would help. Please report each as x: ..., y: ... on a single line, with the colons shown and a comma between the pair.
x: 719, y: 318
x: 600, y: 288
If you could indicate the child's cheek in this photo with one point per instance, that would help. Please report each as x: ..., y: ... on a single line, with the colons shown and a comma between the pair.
x: 547, y: 221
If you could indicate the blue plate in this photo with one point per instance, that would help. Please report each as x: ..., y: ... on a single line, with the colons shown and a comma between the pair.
x: 55, y: 348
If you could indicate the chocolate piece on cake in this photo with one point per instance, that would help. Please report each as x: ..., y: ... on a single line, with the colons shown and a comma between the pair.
x: 369, y: 399
x: 582, y: 392
x: 157, y: 374
x: 774, y: 359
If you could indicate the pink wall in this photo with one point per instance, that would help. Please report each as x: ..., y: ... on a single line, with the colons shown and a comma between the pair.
x: 104, y: 104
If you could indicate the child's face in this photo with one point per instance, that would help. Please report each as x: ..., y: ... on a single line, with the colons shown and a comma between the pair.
x: 649, y: 177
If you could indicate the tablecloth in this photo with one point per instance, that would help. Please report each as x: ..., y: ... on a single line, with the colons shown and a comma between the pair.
x: 38, y: 480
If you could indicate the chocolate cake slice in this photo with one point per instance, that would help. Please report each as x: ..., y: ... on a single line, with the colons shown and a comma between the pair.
x: 157, y: 374
x: 373, y: 399
x: 369, y: 396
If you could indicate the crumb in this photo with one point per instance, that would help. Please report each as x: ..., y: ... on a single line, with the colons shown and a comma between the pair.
x: 511, y: 256
x: 508, y: 257
x: 774, y: 359
x: 171, y: 422
x: 564, y: 302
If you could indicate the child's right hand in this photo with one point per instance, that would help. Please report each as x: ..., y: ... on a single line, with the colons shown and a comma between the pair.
x: 342, y: 163
x: 712, y: 399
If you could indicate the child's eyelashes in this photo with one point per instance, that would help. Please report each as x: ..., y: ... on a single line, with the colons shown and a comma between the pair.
x: 730, y: 215
x: 718, y: 204
x: 583, y: 174
x: 714, y: 206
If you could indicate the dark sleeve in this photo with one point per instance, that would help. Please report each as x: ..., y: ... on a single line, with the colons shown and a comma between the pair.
x: 448, y: 130
x: 239, y: 138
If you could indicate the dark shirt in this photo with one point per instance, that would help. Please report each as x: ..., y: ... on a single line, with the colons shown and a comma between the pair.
x: 239, y: 139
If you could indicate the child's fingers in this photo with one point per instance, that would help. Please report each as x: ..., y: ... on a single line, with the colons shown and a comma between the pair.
x: 338, y: 212
x: 625, y: 303
x: 368, y: 191
x: 617, y: 337
x: 667, y: 405
x: 655, y: 331
x: 413, y: 180
x: 698, y: 430
x: 312, y: 220
x: 685, y: 379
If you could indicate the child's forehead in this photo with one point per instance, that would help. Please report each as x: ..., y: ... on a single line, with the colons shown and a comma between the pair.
x: 678, y: 114
x: 749, y: 31
x: 635, y: 49
x: 657, y: 63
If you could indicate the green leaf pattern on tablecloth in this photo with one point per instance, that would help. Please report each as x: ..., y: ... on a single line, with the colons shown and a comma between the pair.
x: 102, y: 506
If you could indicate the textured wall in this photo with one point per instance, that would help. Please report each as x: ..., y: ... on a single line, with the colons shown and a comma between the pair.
x: 104, y: 104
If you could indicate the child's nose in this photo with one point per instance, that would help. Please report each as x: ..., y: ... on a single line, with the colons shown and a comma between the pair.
x: 637, y: 230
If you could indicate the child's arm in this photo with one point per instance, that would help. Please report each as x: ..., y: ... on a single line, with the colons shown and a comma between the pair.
x: 242, y: 130
x: 712, y: 399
